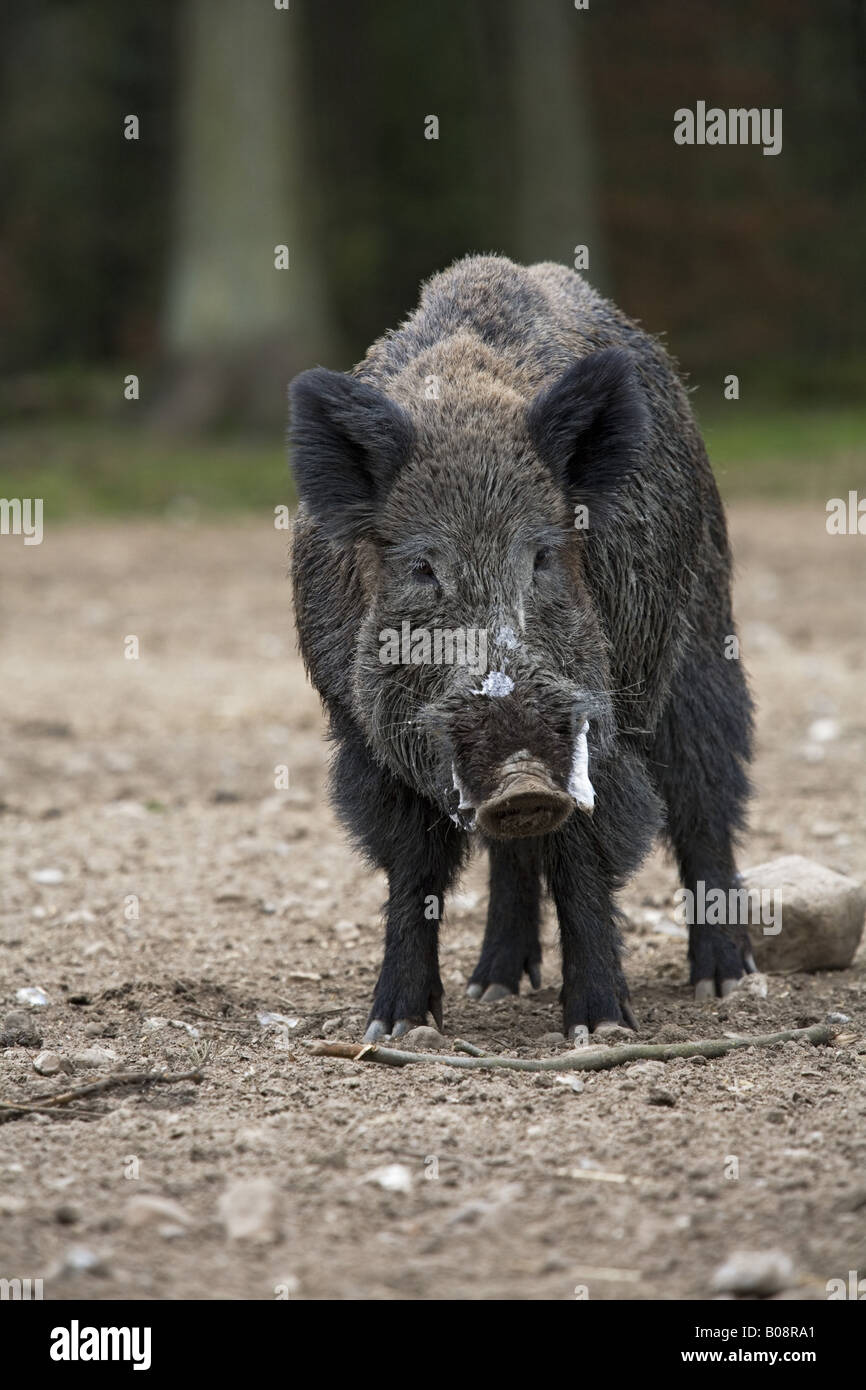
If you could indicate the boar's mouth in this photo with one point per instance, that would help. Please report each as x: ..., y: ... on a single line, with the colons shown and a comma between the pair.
x: 526, y: 801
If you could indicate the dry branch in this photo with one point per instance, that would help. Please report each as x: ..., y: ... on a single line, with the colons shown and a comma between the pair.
x: 582, y: 1059
x: 49, y: 1104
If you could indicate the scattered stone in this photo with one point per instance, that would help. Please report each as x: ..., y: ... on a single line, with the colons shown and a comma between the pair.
x: 666, y: 927
x: 838, y: 1018
x: 49, y: 877
x: 656, y: 1096
x: 80, y: 1259
x: 756, y: 985
x: 609, y: 1034
x: 427, y: 1039
x: 395, y: 1177
x: 50, y: 1063
x: 93, y: 1030
x: 761, y: 1272
x: 821, y: 916
x: 145, y: 1209
x: 552, y: 1039
x: 18, y: 1031
x: 824, y: 829
x: 249, y: 1210
x: 823, y: 731
x: 16, y: 1020
x: 574, y: 1083
x: 93, y: 1057
x: 331, y: 1026
x: 651, y: 1070
x: 67, y: 1215
x: 277, y: 1021
x: 32, y: 995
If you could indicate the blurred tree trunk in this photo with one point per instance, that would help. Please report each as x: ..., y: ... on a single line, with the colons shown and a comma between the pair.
x: 557, y: 208
x: 236, y: 327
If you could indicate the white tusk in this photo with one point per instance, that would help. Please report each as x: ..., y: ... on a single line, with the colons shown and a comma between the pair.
x: 579, y: 786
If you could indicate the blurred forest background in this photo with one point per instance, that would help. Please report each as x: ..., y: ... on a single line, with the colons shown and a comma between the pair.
x: 305, y: 126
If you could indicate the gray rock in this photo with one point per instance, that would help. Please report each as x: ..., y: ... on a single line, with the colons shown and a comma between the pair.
x: 93, y: 1057
x: 761, y: 1272
x: 50, y: 1063
x: 821, y: 915
x: 145, y: 1209
x: 427, y: 1039
x: 249, y: 1210
x: 648, y: 1069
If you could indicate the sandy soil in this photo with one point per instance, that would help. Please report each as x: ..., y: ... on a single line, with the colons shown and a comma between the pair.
x: 154, y: 778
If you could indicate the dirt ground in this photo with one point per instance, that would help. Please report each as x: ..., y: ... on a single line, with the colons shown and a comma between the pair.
x: 152, y: 782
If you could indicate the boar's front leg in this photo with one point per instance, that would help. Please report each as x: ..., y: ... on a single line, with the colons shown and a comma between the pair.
x: 594, y: 990
x: 421, y: 850
x: 586, y: 862
x: 511, y: 943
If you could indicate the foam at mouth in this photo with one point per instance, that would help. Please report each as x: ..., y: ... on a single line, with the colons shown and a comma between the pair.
x: 579, y: 786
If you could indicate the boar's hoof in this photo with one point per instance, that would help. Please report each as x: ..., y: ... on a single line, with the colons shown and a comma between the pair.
x: 376, y: 1031
x: 378, y: 1028
x: 526, y: 802
x: 494, y: 993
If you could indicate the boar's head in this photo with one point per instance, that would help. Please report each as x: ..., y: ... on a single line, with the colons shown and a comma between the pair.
x: 480, y: 671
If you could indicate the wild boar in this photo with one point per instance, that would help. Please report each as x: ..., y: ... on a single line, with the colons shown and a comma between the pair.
x: 520, y: 461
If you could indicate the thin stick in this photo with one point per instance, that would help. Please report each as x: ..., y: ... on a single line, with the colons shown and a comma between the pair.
x: 121, y: 1078
x: 584, y: 1059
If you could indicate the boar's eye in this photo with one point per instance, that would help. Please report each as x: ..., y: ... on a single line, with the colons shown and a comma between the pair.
x: 542, y: 559
x: 423, y: 571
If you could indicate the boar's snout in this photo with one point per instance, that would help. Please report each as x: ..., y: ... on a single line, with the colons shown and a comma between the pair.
x: 526, y: 801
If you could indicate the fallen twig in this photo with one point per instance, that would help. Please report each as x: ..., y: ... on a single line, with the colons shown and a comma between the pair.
x: 462, y: 1046
x: 49, y: 1104
x: 581, y: 1059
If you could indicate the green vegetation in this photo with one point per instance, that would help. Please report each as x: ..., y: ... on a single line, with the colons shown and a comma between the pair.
x: 787, y: 453
x: 92, y: 470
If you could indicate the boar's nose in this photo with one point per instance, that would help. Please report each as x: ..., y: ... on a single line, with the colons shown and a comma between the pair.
x: 526, y: 801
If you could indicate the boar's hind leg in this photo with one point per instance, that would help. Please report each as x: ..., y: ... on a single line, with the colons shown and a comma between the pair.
x: 420, y: 850
x: 699, y: 763
x: 511, y: 945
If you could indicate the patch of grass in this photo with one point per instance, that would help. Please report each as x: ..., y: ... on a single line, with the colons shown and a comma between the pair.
x: 788, y: 452
x: 94, y: 470
x: 85, y: 469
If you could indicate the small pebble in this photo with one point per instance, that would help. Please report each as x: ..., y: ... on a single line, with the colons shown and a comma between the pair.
x: 36, y: 998
x: 93, y: 1057
x: 249, y: 1210
x: 49, y: 1064
x: 760, y: 1272
x: 651, y: 1070
x: 425, y: 1038
x: 145, y: 1209
x: 659, y: 1097
x: 395, y: 1177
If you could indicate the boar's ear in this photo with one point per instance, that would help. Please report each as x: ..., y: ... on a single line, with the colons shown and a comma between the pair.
x: 347, y: 442
x: 591, y: 425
